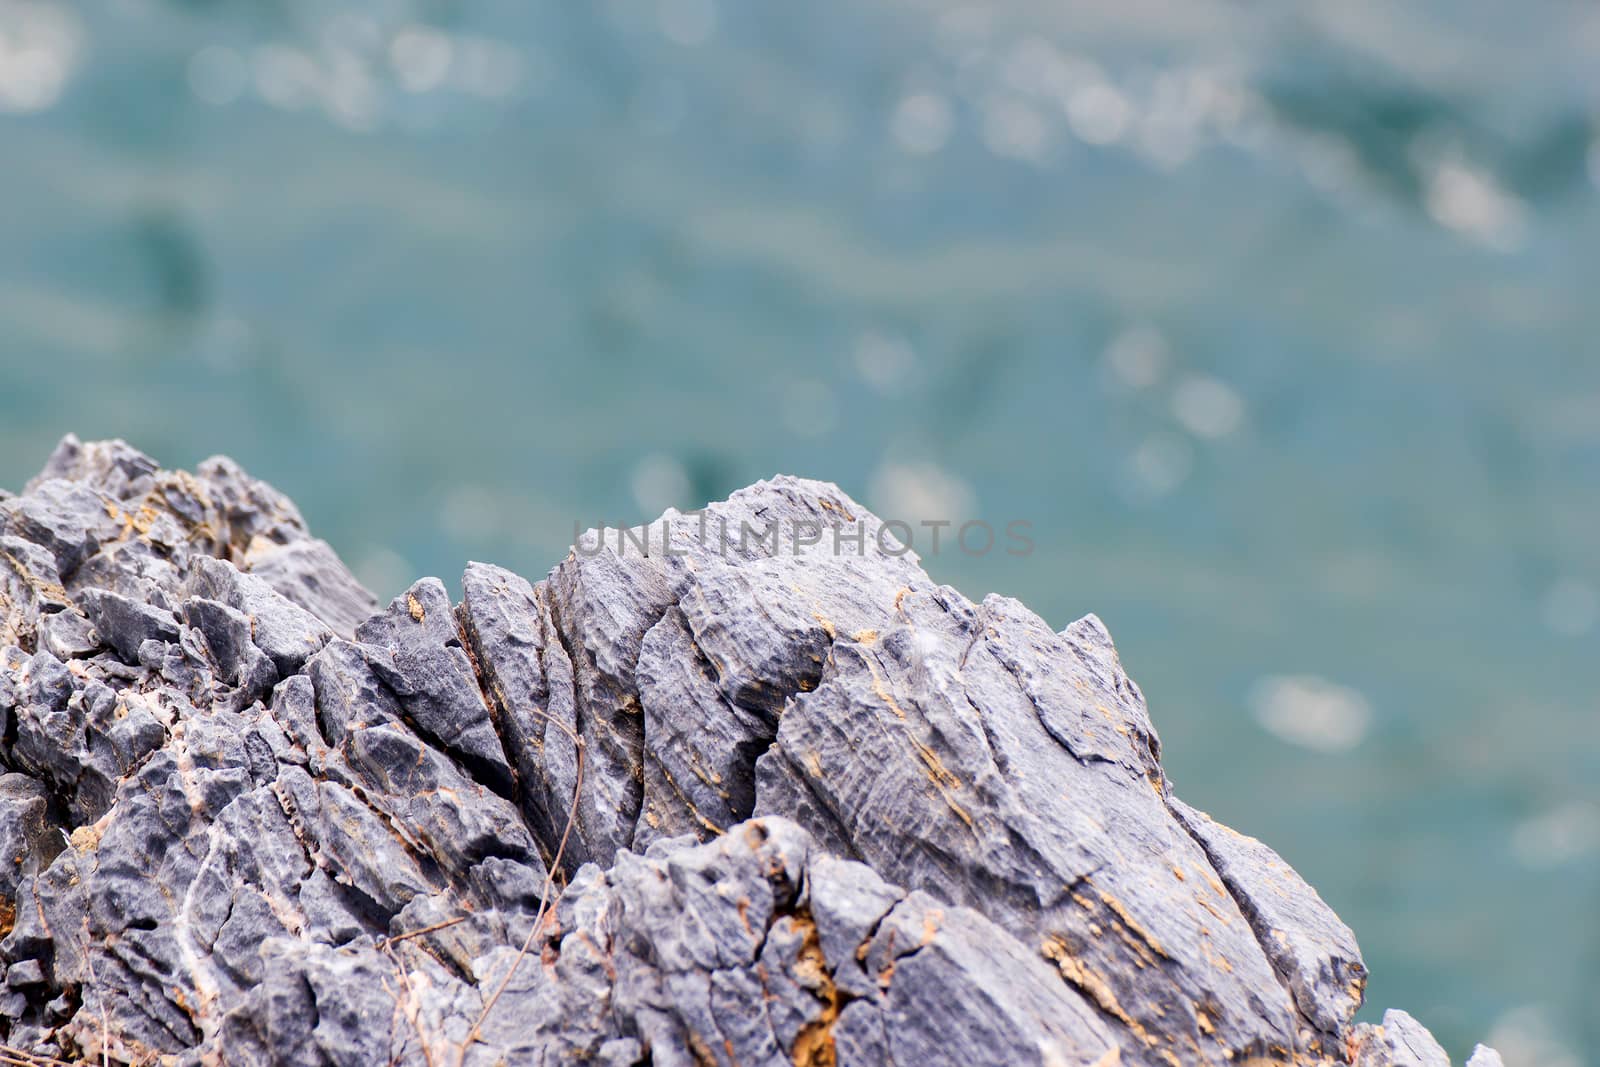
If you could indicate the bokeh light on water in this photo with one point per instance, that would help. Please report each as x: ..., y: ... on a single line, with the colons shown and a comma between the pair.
x: 1276, y: 323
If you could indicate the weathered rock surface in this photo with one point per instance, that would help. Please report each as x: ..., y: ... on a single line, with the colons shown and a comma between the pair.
x: 741, y: 787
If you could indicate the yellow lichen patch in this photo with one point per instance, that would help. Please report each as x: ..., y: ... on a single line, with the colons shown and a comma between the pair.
x: 944, y: 781
x: 930, y: 926
x: 886, y: 974
x: 865, y: 637
x: 813, y: 1045
x: 85, y: 838
x: 709, y: 778
x: 694, y: 812
x: 47, y: 590
x: 1216, y: 959
x: 827, y: 626
x: 414, y: 606
x: 940, y: 774
x: 143, y: 519
x: 1091, y: 985
x: 1128, y: 920
x: 827, y: 505
x: 814, y: 764
x: 1354, y: 1041
x: 743, y: 904
x: 261, y: 543
x: 881, y: 690
x: 699, y: 1049
x: 961, y: 813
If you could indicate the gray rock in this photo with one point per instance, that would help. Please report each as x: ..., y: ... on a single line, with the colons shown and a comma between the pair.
x: 30, y: 590
x: 950, y: 756
x: 1312, y: 951
x: 77, y: 735
x: 1483, y: 1056
x: 66, y: 635
x: 528, y: 678
x: 746, y: 785
x: 228, y: 636
x: 67, y: 520
x: 127, y: 624
x: 25, y: 973
x: 416, y: 649
x: 27, y: 840
x: 114, y: 467
x: 1400, y: 1042
x: 310, y: 574
x: 286, y: 632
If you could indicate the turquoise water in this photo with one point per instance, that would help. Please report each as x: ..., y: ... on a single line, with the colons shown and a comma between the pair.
x: 1277, y: 324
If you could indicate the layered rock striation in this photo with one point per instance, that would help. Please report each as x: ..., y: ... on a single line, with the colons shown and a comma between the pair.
x: 718, y: 791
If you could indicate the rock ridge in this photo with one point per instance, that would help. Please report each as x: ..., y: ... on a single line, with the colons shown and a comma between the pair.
x: 682, y: 801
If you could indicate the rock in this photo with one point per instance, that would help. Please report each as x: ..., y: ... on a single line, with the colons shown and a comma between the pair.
x: 66, y: 635
x: 25, y: 973
x: 310, y: 574
x: 27, y: 841
x: 31, y: 592
x: 229, y: 638
x: 1400, y: 1042
x: 1310, y: 949
x: 63, y: 518
x: 126, y: 624
x: 528, y: 678
x: 415, y: 649
x: 286, y: 632
x: 740, y: 786
x: 114, y: 467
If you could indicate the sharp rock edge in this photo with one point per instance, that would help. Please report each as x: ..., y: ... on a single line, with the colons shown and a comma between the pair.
x: 833, y: 813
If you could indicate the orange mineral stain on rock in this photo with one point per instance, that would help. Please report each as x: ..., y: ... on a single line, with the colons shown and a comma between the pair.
x: 813, y: 1045
x: 1091, y: 985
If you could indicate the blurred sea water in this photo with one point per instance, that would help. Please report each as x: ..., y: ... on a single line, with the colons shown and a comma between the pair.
x: 1278, y: 323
